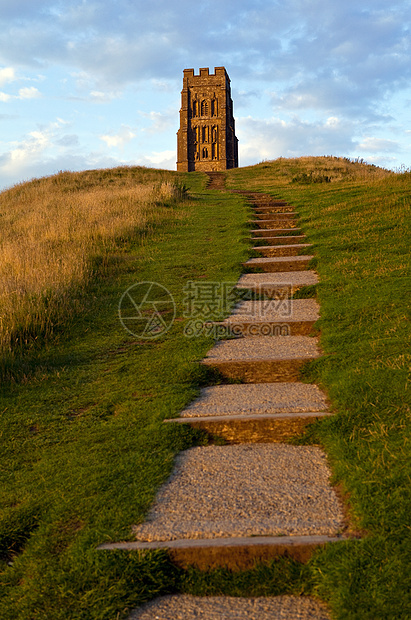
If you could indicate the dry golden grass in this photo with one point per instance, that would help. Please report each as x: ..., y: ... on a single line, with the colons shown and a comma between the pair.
x: 307, y: 170
x: 52, y: 231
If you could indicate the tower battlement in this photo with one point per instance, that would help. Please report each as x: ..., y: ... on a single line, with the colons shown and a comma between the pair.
x: 206, y: 139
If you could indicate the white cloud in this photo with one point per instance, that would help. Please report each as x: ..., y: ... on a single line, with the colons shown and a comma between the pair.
x: 378, y: 145
x: 161, y: 159
x: 24, y: 93
x: 160, y: 121
x: 30, y: 153
x: 340, y: 69
x: 119, y: 139
x: 7, y: 74
x: 29, y: 93
x: 269, y: 139
x: 45, y: 151
x: 98, y: 96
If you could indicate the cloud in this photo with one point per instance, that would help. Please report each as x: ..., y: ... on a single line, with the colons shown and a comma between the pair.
x: 119, y: 42
x: 119, y: 139
x: 7, y: 74
x: 378, y: 145
x: 309, y: 76
x: 160, y: 121
x: 24, y: 93
x: 269, y: 139
x: 28, y: 93
x: 42, y: 151
x: 97, y: 96
x: 332, y: 58
x: 161, y: 159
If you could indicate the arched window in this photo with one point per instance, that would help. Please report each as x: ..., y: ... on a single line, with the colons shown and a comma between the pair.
x: 204, y: 108
x: 195, y: 108
x: 214, y: 134
x: 214, y: 108
x: 206, y: 134
x: 205, y: 153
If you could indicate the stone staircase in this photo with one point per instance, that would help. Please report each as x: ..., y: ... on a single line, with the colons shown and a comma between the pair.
x: 256, y: 497
x: 216, y: 180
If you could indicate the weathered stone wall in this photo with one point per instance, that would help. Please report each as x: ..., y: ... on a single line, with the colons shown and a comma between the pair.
x: 206, y: 139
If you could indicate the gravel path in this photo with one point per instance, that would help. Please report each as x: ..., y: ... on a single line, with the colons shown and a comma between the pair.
x: 232, y: 608
x: 244, y: 490
x: 256, y: 398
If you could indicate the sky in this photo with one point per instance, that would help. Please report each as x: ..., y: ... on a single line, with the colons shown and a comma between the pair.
x: 95, y: 84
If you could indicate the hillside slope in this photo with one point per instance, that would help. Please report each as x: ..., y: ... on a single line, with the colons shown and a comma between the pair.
x: 82, y: 400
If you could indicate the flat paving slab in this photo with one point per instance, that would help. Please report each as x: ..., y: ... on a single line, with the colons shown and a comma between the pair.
x: 274, y: 264
x: 256, y: 399
x: 186, y: 607
x: 293, y: 249
x: 262, y: 359
x: 274, y: 231
x: 280, y: 281
x: 264, y: 348
x: 282, y: 240
x: 274, y: 216
x: 255, y: 413
x: 261, y: 208
x: 280, y: 221
x: 275, y: 310
x: 245, y: 491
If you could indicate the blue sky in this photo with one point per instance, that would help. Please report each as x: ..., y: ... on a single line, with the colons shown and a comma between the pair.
x: 91, y: 84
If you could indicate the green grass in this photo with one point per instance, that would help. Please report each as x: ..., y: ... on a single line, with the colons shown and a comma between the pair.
x: 84, y: 448
x: 83, y: 445
x: 361, y: 230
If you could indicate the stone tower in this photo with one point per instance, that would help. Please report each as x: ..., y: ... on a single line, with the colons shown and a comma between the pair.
x: 206, y: 139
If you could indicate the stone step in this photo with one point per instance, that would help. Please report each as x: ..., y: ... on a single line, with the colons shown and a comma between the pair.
x: 280, y: 223
x: 187, y: 607
x: 266, y: 205
x: 272, y: 317
x: 280, y: 215
x: 250, y: 413
x: 258, y: 197
x: 216, y: 180
x: 286, y: 239
x: 273, y: 264
x: 232, y: 505
x: 267, y: 201
x: 256, y: 399
x: 268, y: 209
x: 277, y: 285
x: 262, y: 428
x: 261, y: 359
x: 236, y: 553
x: 272, y: 232
x: 293, y: 249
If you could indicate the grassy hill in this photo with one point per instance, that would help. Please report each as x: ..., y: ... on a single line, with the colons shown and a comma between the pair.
x: 82, y: 400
